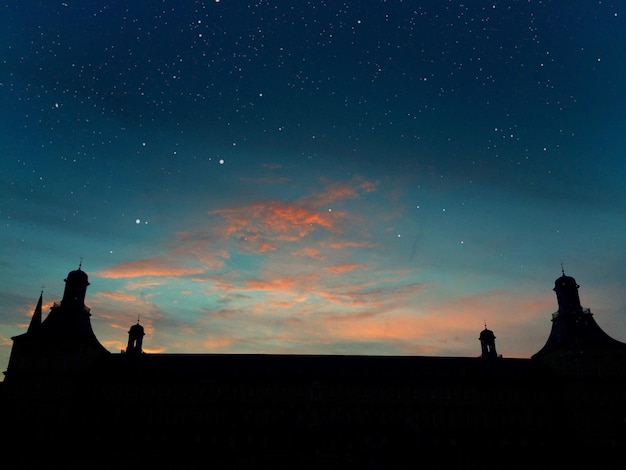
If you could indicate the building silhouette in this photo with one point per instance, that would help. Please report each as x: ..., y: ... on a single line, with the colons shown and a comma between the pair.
x: 67, y: 402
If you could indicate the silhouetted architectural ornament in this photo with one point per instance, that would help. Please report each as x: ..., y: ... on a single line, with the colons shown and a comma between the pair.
x: 35, y: 321
x: 63, y: 342
x: 75, y: 289
x: 577, y: 345
x: 488, y: 344
x: 135, y: 339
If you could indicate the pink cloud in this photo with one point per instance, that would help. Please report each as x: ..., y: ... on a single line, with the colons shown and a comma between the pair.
x: 199, y: 247
x: 260, y: 227
x: 219, y: 343
x: 344, y: 268
x: 281, y: 284
x: 338, y: 191
x: 117, y: 296
x: 274, y: 219
x: 340, y: 245
x: 309, y: 252
x: 159, y: 267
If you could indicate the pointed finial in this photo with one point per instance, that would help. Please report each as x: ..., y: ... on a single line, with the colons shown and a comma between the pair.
x: 562, y: 269
x: 80, y: 265
x: 138, y: 319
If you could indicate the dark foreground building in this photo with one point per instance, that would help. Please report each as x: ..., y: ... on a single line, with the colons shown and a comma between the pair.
x: 67, y: 402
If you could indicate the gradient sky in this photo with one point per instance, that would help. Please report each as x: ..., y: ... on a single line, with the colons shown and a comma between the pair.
x: 361, y: 177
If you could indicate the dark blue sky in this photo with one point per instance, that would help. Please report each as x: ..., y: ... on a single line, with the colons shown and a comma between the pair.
x: 346, y: 177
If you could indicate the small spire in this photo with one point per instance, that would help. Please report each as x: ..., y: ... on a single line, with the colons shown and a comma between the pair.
x: 562, y: 269
x: 35, y: 321
x: 80, y: 264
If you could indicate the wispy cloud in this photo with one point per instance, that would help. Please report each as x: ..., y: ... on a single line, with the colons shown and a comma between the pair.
x: 344, y: 268
x: 257, y: 227
x: 153, y: 267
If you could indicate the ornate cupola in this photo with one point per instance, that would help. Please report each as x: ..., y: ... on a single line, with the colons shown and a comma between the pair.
x: 75, y: 289
x: 135, y: 339
x: 577, y: 345
x: 488, y: 344
x: 567, y: 295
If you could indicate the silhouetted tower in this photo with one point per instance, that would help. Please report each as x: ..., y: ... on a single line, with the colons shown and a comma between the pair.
x: 135, y: 339
x: 63, y: 342
x: 75, y: 289
x: 488, y: 344
x: 577, y: 345
x: 567, y: 295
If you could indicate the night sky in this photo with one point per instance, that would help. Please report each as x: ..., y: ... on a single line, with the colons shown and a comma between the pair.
x: 361, y: 177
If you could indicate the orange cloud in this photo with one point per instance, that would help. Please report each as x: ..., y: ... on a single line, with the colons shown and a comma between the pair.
x: 340, y: 245
x: 260, y: 227
x: 281, y: 284
x: 383, y: 327
x: 255, y: 228
x: 283, y: 220
x: 218, y: 343
x: 338, y: 191
x: 309, y: 252
x: 200, y: 248
x: 117, y: 296
x: 344, y: 268
x: 158, y: 267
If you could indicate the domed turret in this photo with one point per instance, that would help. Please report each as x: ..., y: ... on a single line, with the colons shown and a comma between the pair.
x: 78, y: 276
x: 76, y: 284
x: 488, y: 344
x: 135, y: 339
x: 566, y: 290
